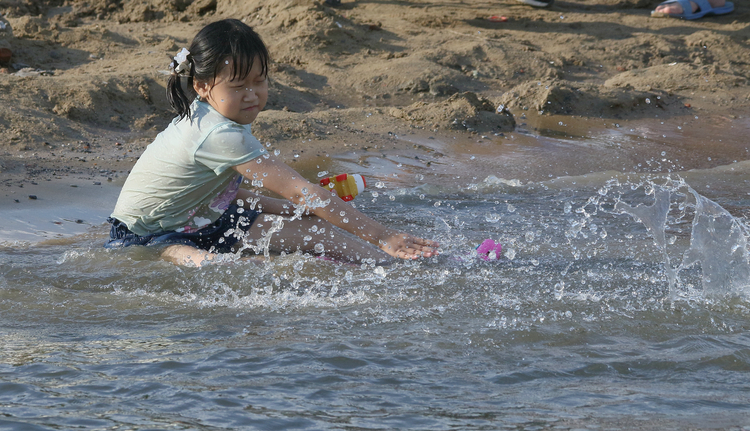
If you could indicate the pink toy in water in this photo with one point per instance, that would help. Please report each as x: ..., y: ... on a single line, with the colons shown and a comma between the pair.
x: 489, y: 250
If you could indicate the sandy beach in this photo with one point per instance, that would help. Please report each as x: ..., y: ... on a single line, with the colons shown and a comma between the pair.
x: 83, y: 93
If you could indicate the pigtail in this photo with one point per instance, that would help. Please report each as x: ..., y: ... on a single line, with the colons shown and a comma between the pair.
x: 180, y: 96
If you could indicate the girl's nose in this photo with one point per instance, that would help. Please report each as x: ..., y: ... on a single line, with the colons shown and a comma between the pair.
x: 249, y: 94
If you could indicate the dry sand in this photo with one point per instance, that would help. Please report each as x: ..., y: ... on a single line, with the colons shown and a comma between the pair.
x: 84, y: 90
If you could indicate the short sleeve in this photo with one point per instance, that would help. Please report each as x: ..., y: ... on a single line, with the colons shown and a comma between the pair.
x: 226, y: 146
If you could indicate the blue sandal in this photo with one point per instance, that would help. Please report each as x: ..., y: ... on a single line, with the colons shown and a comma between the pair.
x: 704, y: 8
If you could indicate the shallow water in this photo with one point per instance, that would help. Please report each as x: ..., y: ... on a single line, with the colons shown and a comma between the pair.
x: 600, y: 312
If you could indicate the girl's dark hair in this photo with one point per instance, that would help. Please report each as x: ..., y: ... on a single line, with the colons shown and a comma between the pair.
x: 225, y: 40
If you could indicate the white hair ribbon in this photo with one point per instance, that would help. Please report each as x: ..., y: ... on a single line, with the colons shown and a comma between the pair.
x: 182, y: 61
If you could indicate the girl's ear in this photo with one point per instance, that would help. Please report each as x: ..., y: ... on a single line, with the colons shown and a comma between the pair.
x: 202, y: 89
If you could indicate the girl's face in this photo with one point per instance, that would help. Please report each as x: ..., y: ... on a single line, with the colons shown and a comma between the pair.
x: 239, y: 99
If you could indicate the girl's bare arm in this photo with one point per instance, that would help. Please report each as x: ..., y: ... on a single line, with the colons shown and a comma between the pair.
x: 280, y: 178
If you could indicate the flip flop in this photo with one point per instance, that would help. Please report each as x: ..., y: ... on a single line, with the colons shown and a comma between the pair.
x: 538, y: 3
x: 704, y: 8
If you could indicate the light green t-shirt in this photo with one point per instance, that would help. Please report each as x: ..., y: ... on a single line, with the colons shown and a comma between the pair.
x: 183, y: 181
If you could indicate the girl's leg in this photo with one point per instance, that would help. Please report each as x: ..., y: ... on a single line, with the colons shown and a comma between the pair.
x: 309, y: 233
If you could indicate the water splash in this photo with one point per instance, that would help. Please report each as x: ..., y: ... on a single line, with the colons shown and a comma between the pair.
x: 717, y: 239
x: 719, y: 244
x: 654, y: 217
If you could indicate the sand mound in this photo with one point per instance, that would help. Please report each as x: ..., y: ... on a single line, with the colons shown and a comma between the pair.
x: 465, y: 111
x: 676, y: 76
x: 559, y: 97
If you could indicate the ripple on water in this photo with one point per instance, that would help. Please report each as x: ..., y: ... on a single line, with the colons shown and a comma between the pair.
x: 582, y: 315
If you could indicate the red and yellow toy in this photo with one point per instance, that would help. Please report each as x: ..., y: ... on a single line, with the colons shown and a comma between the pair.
x: 347, y: 186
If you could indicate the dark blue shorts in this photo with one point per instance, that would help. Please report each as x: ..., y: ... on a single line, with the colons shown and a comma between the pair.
x: 211, y: 238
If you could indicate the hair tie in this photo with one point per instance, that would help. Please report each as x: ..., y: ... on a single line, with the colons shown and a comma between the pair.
x: 181, y: 62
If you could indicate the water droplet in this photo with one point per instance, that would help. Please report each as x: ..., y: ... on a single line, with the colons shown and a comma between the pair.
x: 511, y: 208
x: 319, y: 248
x: 492, y: 218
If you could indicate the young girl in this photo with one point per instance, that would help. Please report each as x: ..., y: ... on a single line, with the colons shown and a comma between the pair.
x: 184, y: 191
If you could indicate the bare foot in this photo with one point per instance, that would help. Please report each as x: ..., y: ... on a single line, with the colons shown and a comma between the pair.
x: 186, y: 255
x: 676, y: 9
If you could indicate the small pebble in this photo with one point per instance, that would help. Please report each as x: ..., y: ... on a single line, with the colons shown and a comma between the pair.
x: 32, y: 197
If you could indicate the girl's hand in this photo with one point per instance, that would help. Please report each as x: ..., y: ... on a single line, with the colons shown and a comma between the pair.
x: 407, y: 246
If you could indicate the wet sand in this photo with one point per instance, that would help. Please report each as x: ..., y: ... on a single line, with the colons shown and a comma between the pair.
x: 52, y: 210
x: 539, y: 150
